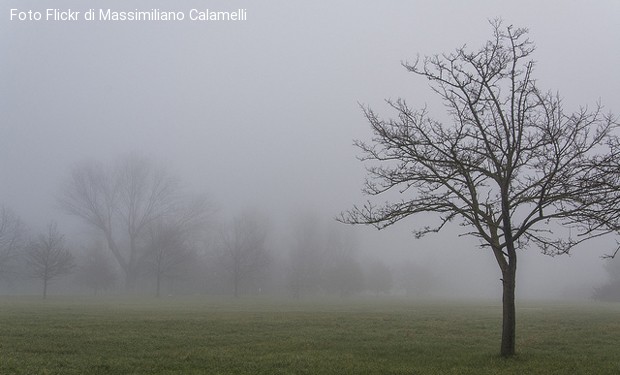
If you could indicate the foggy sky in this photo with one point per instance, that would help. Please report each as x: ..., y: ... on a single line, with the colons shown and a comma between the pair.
x: 263, y: 112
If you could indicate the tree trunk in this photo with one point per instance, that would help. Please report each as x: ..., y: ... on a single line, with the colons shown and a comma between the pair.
x: 509, y: 312
x: 508, y: 266
x: 44, y: 288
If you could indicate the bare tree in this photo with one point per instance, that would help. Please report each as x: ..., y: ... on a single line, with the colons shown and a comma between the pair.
x: 242, y: 251
x: 48, y: 257
x: 121, y: 202
x: 511, y: 166
x: 12, y: 237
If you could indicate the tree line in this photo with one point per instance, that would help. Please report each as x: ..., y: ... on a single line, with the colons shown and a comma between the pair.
x: 148, y: 235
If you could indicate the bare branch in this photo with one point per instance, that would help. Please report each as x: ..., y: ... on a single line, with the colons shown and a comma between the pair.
x: 511, y: 162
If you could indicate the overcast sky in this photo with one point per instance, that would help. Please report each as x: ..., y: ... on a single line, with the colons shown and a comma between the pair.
x: 263, y: 112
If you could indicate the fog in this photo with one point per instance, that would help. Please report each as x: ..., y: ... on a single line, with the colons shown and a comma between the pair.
x: 260, y: 115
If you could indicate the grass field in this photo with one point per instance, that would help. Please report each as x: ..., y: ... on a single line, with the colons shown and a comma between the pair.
x: 206, y: 336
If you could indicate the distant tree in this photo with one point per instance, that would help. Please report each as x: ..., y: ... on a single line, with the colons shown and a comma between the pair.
x: 512, y: 166
x: 48, y: 257
x: 305, y: 256
x: 168, y: 252
x: 342, y: 273
x: 121, y: 202
x: 241, y: 251
x: 172, y: 241
x: 378, y: 278
x: 96, y: 272
x: 12, y: 241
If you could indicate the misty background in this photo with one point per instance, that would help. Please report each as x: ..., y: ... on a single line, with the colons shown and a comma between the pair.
x: 261, y: 114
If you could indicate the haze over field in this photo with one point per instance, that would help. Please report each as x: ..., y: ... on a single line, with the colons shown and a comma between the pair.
x: 261, y: 114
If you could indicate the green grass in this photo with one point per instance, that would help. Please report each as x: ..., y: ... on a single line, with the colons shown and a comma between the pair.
x: 206, y: 336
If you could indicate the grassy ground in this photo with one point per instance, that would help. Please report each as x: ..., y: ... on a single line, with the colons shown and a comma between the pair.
x: 181, y: 336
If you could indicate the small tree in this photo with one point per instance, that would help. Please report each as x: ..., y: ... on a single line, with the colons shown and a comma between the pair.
x: 512, y: 166
x: 48, y: 257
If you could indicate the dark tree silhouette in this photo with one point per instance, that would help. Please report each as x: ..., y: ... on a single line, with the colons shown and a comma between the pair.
x: 511, y: 165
